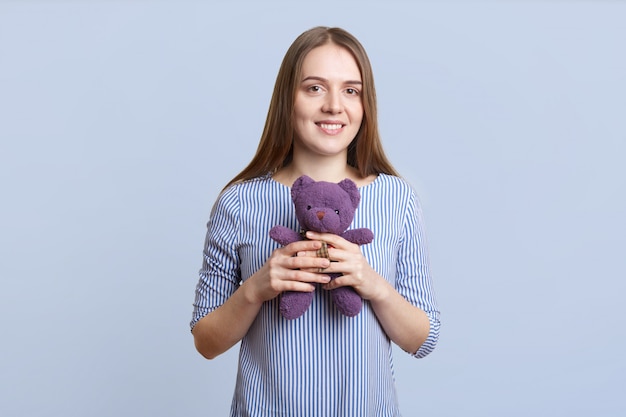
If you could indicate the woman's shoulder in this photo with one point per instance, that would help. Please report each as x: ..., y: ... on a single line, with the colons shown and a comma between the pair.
x: 257, y: 190
x: 249, y: 185
x: 231, y: 198
x: 391, y: 184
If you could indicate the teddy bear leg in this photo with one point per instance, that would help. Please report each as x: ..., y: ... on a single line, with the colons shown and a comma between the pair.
x: 293, y: 304
x: 347, y: 300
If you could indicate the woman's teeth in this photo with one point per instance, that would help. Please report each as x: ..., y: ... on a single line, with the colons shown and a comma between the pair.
x: 330, y: 127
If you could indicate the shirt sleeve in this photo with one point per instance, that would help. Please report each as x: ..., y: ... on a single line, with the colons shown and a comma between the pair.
x: 414, y: 281
x: 220, y: 274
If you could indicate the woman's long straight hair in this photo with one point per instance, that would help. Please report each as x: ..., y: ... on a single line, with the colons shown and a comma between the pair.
x: 275, y: 150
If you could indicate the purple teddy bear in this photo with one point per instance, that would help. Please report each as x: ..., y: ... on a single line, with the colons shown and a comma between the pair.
x: 328, y: 208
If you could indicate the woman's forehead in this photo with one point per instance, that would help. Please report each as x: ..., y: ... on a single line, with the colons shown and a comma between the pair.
x: 330, y: 62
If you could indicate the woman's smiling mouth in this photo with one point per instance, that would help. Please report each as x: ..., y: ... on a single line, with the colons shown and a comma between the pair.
x: 330, y: 128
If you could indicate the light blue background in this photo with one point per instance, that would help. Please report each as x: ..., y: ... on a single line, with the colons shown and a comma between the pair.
x: 120, y: 121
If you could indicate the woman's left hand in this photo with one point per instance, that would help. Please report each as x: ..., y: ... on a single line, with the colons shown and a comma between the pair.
x: 347, y: 259
x: 407, y: 325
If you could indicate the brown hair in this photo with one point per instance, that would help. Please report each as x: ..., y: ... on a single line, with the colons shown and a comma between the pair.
x: 365, y: 152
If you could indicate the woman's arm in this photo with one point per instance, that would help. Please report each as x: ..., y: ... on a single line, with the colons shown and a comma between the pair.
x: 222, y: 328
x: 406, y: 325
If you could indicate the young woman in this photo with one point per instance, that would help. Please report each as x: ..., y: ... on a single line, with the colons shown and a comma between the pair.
x: 322, y: 122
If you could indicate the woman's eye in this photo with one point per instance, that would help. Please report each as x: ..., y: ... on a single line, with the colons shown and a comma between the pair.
x: 315, y: 88
x: 352, y: 91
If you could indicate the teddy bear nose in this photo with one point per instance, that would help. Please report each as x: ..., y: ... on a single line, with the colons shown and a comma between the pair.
x: 320, y: 215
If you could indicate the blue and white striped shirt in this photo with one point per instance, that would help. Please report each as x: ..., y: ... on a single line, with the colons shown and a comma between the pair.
x: 323, y: 363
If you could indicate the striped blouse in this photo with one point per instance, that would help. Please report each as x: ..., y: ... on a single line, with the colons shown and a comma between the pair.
x: 322, y: 363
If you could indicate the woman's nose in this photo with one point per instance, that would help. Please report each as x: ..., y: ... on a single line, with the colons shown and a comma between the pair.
x: 332, y: 104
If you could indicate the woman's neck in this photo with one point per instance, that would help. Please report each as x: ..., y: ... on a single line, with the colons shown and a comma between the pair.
x: 320, y: 171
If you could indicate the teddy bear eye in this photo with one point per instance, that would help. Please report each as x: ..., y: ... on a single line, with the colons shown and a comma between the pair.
x: 308, y: 207
x: 337, y: 211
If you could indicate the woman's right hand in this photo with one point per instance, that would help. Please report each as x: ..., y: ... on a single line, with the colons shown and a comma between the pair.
x: 289, y: 268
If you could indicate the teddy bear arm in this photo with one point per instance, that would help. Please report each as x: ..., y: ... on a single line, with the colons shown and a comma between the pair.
x: 361, y: 236
x: 284, y: 235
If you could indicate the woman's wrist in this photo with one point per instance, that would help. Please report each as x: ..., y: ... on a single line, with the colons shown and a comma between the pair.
x: 382, y: 291
x: 250, y: 293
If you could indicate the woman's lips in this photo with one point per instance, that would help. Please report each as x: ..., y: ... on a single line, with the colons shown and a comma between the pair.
x: 330, y: 128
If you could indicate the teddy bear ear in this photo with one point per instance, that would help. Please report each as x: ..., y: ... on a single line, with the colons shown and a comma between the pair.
x: 350, y: 187
x: 299, y: 184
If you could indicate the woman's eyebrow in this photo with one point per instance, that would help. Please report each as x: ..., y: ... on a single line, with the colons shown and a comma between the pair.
x: 324, y: 80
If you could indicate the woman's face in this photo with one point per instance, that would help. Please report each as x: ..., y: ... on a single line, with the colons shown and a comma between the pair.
x: 328, y: 108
